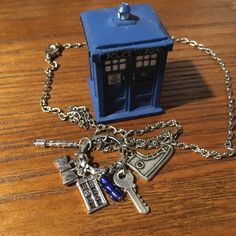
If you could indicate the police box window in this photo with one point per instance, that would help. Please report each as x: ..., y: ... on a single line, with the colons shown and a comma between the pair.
x: 115, y: 65
x: 146, y: 60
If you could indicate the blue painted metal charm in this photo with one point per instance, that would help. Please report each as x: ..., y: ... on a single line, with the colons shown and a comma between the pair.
x: 128, y: 47
x: 111, y: 189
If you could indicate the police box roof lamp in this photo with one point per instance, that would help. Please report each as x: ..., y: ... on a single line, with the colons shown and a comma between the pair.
x: 124, y: 11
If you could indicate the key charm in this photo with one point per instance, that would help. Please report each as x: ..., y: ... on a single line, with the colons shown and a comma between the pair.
x: 125, y: 180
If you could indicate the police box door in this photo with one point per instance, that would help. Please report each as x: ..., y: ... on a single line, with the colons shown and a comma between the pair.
x: 144, y: 78
x: 129, y: 79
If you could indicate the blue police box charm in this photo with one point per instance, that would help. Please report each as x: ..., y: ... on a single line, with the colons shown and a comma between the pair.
x: 128, y: 48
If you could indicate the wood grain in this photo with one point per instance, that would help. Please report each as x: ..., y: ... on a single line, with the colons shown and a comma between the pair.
x: 190, y: 196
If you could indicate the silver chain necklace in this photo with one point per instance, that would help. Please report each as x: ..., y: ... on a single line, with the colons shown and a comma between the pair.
x: 118, y: 179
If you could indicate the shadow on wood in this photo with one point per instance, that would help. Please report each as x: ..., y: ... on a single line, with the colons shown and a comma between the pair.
x: 183, y: 84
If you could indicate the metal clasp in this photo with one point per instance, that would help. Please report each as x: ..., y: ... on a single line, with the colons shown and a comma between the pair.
x: 53, y: 51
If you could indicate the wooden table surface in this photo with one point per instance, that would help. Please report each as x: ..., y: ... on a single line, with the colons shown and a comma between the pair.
x: 190, y: 195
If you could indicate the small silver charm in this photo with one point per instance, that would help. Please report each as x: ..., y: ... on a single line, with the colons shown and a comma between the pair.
x: 91, y: 193
x: 125, y: 180
x: 55, y: 143
x: 68, y: 173
x: 147, y: 167
x: 75, y: 171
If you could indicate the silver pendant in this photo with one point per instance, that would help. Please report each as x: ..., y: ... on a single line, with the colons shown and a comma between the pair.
x: 91, y: 193
x: 68, y: 174
x: 147, y: 167
x: 125, y: 180
x: 87, y: 184
x: 79, y: 170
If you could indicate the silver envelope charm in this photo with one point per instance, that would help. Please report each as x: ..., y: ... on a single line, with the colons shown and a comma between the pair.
x: 148, y: 166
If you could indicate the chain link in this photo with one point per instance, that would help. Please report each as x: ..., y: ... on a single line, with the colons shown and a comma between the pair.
x: 230, y: 151
x: 81, y: 117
